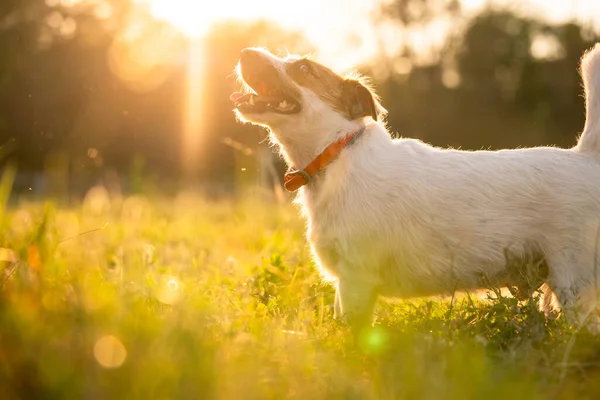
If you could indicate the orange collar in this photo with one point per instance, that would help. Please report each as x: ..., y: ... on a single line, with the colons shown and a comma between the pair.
x: 294, y: 179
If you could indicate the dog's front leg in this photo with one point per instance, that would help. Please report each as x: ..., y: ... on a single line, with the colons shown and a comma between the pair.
x: 337, y: 306
x: 354, y: 302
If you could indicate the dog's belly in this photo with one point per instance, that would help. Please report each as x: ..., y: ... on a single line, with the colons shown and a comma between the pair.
x: 522, y: 271
x: 425, y: 268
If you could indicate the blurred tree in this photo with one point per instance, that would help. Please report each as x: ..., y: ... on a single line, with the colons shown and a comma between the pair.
x: 413, y: 15
x: 51, y: 58
x: 101, y: 84
x: 410, y: 12
x: 514, y: 82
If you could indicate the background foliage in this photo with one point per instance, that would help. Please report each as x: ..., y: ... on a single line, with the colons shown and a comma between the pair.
x: 75, y: 95
x: 114, y: 286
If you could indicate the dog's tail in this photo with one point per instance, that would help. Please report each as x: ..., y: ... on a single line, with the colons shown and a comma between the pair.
x: 589, y: 142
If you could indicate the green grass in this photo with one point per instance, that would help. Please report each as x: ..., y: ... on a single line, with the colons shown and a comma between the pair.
x: 184, y: 298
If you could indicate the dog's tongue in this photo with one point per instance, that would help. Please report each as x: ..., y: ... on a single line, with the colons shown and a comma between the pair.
x: 239, y: 97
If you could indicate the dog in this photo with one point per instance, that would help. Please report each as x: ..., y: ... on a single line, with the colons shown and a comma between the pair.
x: 400, y: 218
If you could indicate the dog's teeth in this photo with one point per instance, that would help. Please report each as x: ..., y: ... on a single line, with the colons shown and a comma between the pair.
x: 283, y: 104
x: 251, y: 101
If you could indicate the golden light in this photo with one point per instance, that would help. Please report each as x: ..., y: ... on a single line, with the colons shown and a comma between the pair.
x: 342, y: 31
x: 196, y: 18
x: 344, y: 34
x: 7, y: 255
x: 168, y: 290
x: 193, y: 129
x: 109, y: 352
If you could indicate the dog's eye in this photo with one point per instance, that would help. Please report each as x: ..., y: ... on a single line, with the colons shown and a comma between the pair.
x: 305, y: 68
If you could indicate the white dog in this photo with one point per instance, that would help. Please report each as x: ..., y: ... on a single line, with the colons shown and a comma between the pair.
x: 400, y: 218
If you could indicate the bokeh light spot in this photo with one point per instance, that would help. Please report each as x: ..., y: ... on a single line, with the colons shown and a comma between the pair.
x: 172, y: 284
x: 21, y: 223
x: 54, y: 20
x: 7, y: 255
x: 109, y: 352
x: 375, y: 339
x: 168, y: 290
x: 97, y: 200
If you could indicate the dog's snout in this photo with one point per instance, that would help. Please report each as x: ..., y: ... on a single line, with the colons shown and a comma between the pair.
x: 257, y: 68
x: 250, y: 56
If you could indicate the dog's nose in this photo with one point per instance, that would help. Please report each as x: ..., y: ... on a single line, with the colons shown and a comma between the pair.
x: 256, y: 66
x: 250, y: 55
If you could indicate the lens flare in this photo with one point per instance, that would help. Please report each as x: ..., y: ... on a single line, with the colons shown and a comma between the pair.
x: 109, y: 352
x: 374, y: 340
x: 343, y: 32
x: 193, y: 128
x: 168, y: 290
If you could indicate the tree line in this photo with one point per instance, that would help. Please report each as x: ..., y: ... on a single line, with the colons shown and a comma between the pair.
x: 69, y: 98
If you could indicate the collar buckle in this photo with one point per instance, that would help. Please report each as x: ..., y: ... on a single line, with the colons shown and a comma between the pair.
x: 302, y: 173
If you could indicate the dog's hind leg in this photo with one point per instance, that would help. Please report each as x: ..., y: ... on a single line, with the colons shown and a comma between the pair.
x: 580, y: 305
x: 574, y: 289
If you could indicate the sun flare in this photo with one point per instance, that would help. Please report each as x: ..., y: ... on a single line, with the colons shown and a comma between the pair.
x: 342, y: 32
x: 195, y: 19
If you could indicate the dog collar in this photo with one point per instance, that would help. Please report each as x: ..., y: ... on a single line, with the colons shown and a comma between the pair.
x: 294, y: 179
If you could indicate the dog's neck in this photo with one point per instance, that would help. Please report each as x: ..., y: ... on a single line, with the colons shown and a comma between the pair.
x: 301, y: 147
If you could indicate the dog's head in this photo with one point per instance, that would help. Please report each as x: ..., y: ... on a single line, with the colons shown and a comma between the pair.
x: 296, y: 95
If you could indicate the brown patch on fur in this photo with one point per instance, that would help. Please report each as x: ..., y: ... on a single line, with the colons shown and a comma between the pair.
x: 350, y: 97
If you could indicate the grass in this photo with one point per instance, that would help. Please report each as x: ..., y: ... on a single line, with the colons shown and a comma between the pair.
x: 185, y: 298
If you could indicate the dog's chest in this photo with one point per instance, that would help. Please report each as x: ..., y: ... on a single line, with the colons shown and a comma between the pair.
x: 361, y: 253
x: 347, y: 240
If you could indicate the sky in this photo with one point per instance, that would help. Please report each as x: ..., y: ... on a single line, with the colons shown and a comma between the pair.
x: 554, y: 10
x: 340, y: 29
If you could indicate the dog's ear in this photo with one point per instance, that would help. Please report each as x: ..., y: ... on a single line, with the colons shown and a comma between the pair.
x: 359, y: 100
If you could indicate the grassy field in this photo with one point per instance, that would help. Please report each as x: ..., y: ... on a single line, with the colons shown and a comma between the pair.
x: 190, y: 299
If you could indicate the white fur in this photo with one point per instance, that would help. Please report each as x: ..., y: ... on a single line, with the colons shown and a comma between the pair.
x: 400, y: 218
x: 590, y: 65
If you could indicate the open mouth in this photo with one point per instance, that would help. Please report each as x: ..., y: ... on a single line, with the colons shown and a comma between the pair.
x: 255, y: 103
x: 266, y: 90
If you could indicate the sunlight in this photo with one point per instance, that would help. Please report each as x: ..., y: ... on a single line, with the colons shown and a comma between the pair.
x: 168, y: 290
x: 343, y: 32
x: 110, y: 352
x: 195, y: 19
x: 342, y: 42
x: 193, y: 128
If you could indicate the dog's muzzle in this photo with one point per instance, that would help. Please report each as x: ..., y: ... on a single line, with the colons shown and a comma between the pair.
x: 270, y: 93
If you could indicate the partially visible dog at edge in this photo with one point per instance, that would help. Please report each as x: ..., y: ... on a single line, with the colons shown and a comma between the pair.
x: 400, y: 218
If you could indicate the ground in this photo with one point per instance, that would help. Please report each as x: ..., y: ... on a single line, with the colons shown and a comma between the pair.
x: 189, y: 298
